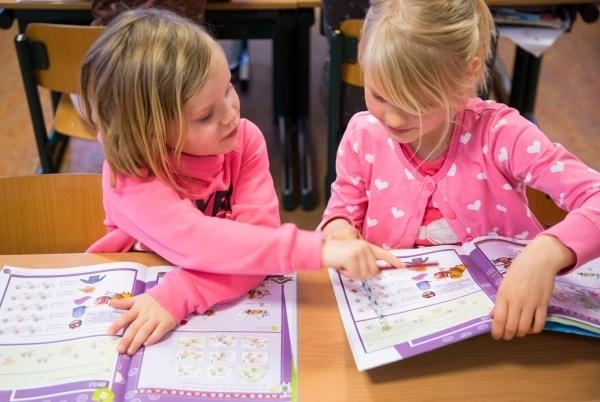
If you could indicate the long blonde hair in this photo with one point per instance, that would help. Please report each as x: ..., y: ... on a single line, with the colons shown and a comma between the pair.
x: 135, y: 80
x: 419, y: 54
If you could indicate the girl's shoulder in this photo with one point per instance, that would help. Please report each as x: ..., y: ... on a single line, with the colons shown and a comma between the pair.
x: 476, y: 108
x: 489, y: 116
x: 364, y: 124
x: 250, y: 135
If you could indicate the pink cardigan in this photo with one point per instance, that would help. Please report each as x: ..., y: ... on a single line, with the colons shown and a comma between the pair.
x: 494, y: 153
x: 221, y: 258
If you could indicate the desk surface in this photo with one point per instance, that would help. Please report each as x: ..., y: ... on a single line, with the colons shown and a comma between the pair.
x: 544, y: 367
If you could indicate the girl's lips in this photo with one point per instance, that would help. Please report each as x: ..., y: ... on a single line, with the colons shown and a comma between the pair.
x: 232, y: 133
x: 398, y: 131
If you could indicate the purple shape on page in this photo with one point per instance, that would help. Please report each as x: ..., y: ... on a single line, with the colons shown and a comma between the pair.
x: 448, y: 336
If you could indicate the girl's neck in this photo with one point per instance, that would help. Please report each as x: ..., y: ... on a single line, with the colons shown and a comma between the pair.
x: 432, y: 147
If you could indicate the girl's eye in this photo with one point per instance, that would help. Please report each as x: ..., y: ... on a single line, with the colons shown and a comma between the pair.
x: 205, y: 118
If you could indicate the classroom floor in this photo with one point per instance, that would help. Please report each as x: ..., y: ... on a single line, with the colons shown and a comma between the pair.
x: 566, y: 108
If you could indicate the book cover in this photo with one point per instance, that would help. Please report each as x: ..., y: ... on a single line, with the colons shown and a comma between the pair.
x: 54, y: 347
x: 445, y: 297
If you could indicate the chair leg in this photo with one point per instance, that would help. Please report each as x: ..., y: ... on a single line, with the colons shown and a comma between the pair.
x: 241, y: 65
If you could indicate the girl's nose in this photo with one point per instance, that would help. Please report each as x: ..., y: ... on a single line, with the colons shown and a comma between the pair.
x: 230, y: 114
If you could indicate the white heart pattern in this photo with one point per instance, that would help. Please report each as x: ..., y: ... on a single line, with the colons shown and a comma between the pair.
x: 481, y: 176
x: 534, y: 148
x: 370, y: 158
x: 397, y: 213
x: 500, y: 123
x: 351, y: 208
x: 371, y: 222
x: 452, y: 171
x: 558, y: 166
x: 474, y: 206
x: 503, y: 155
x: 465, y: 138
x: 390, y: 143
x: 501, y: 208
x: 408, y: 174
x: 381, y: 184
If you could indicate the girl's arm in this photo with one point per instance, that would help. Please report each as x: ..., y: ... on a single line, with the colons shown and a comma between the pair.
x: 348, y: 200
x: 535, y: 161
x: 523, y: 296
x: 174, y: 228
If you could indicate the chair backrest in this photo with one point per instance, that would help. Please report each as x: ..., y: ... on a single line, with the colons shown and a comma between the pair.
x: 50, y: 213
x: 343, y: 69
x: 544, y: 209
x: 50, y: 57
x: 57, y: 51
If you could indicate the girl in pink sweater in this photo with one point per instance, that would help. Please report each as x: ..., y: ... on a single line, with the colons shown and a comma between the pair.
x: 431, y: 164
x: 187, y: 178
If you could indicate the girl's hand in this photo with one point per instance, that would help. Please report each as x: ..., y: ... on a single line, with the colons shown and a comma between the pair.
x: 522, y: 300
x: 146, y: 321
x: 348, y: 233
x: 340, y: 229
x: 355, y: 258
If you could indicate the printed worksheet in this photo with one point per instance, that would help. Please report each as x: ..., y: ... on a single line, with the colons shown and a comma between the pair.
x: 445, y: 295
x: 54, y: 347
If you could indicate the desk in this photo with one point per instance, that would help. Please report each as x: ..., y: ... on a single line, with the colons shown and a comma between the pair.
x: 544, y: 367
x: 286, y: 22
x: 520, y: 91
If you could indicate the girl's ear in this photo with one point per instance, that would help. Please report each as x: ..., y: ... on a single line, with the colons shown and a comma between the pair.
x: 474, y: 67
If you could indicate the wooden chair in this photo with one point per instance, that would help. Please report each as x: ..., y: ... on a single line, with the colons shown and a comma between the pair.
x: 50, y: 57
x: 547, y: 212
x: 50, y: 213
x: 344, y: 70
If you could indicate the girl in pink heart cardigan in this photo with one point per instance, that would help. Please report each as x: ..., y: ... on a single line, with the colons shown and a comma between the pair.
x: 187, y: 178
x: 431, y: 164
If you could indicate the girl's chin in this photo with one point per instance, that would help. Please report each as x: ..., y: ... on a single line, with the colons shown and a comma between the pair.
x: 404, y: 138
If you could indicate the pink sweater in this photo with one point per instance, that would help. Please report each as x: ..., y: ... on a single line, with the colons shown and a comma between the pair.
x: 221, y: 257
x: 494, y: 153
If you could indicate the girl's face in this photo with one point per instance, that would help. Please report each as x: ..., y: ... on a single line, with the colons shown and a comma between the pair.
x: 424, y: 132
x: 212, y: 115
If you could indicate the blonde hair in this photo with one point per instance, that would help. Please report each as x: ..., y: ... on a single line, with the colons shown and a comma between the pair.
x: 426, y: 54
x: 135, y: 80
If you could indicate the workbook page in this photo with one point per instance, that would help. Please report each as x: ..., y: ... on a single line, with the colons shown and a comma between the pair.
x: 422, y: 307
x: 53, y: 328
x: 235, y: 351
x: 575, y: 299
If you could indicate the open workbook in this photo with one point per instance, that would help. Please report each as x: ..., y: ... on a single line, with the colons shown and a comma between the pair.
x: 54, y: 347
x: 446, y: 296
